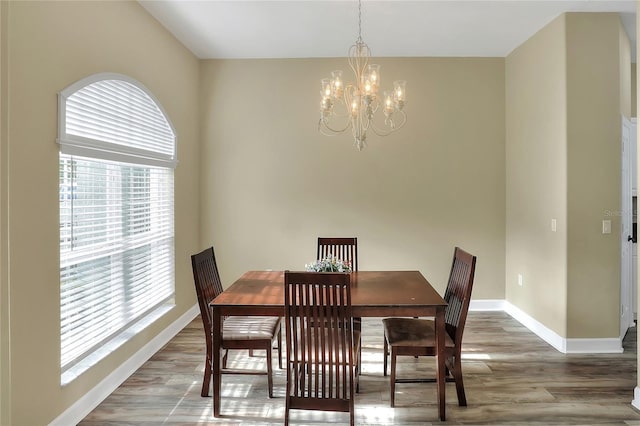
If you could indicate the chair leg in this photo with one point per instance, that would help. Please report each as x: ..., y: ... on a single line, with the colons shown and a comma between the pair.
x: 351, y: 412
x: 416, y: 356
x: 357, y: 325
x: 286, y: 407
x: 269, y: 371
x: 392, y: 381
x: 280, y: 348
x: 385, y: 353
x: 356, y: 377
x: 206, y: 380
x: 457, y: 375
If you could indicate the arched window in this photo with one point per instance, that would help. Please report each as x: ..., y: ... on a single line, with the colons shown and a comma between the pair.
x: 117, y: 159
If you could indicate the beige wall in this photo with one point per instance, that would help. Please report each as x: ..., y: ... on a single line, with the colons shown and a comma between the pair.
x: 594, y: 108
x: 536, y: 160
x: 5, y: 372
x: 566, y: 89
x: 625, y: 72
x: 272, y: 184
x: 634, y: 91
x: 52, y: 45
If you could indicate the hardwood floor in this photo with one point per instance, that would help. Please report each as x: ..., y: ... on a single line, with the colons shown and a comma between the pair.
x: 511, y: 377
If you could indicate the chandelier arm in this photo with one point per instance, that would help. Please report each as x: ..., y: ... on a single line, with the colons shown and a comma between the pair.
x: 324, y: 133
x: 359, y: 54
x: 382, y: 132
x: 323, y: 125
x: 374, y: 107
x: 345, y: 104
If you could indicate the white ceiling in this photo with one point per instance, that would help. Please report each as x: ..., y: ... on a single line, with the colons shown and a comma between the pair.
x: 326, y: 28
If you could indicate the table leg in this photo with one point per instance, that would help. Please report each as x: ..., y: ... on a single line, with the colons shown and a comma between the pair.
x: 216, y: 333
x: 440, y: 330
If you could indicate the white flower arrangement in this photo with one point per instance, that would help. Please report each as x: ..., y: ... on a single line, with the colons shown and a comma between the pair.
x: 329, y: 264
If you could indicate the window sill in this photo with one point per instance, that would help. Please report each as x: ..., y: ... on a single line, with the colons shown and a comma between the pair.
x: 72, y: 373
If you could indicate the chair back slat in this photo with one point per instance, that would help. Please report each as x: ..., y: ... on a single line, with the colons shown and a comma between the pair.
x: 458, y: 293
x: 319, y: 336
x: 207, y: 281
x: 345, y: 249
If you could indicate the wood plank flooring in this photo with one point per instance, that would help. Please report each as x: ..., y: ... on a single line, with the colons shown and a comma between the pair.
x: 511, y: 377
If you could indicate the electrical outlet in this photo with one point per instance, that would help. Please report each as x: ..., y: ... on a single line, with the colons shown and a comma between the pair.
x: 553, y: 225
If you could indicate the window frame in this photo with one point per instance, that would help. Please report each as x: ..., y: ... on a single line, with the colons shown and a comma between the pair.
x: 71, y: 146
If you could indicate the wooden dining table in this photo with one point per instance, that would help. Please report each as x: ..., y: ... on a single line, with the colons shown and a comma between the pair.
x: 373, y: 294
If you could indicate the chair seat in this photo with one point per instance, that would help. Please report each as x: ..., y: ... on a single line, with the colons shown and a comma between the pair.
x: 412, y: 332
x: 250, y: 328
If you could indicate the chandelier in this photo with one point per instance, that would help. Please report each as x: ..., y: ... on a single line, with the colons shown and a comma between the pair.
x: 354, y: 105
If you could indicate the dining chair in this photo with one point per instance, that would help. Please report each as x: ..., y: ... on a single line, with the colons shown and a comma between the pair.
x: 345, y: 249
x: 417, y: 337
x: 322, y: 345
x: 238, y: 332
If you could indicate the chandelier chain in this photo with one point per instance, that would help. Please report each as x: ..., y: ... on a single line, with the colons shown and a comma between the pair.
x: 359, y: 21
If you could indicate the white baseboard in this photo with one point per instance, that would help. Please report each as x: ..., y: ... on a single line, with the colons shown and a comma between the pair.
x: 562, y: 344
x: 611, y: 345
x: 83, y: 406
x: 487, y: 305
x: 545, y: 333
x: 636, y: 398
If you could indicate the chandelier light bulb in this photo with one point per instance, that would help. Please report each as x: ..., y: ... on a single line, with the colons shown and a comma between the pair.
x: 336, y: 79
x: 388, y: 102
x: 400, y: 92
x: 354, y: 108
x: 326, y: 87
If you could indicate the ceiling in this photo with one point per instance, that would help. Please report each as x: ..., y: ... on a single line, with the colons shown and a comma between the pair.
x: 325, y: 28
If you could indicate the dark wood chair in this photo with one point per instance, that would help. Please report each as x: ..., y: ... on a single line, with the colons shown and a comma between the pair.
x: 322, y: 345
x: 416, y: 337
x: 238, y: 332
x: 345, y: 249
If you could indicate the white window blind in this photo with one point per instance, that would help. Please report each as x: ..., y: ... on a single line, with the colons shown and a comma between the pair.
x: 114, y: 118
x: 116, y: 212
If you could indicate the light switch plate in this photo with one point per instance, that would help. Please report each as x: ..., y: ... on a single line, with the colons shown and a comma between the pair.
x: 606, y: 226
